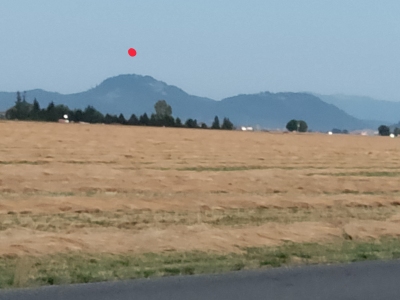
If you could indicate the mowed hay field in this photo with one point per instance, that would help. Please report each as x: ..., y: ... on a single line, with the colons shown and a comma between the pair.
x: 77, y: 191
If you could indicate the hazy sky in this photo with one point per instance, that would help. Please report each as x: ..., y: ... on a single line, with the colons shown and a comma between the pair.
x: 212, y: 48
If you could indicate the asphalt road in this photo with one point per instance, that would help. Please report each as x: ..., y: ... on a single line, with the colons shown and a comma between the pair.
x: 371, y: 280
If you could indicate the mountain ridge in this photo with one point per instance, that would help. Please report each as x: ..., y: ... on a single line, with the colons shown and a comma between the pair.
x: 132, y: 93
x: 366, y: 108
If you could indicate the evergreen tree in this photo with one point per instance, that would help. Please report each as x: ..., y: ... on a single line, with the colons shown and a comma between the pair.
x: 77, y: 115
x: 35, y: 112
x: 18, y: 104
x: 215, y: 124
x: 154, y: 121
x: 191, y: 123
x: 168, y: 121
x: 144, y: 120
x: 91, y: 115
x: 112, y: 119
x: 226, y: 124
x: 178, y: 122
x: 121, y: 119
x: 133, y: 120
x: 108, y: 119
x: 19, y: 99
x: 51, y: 113
x: 21, y: 110
x: 12, y: 113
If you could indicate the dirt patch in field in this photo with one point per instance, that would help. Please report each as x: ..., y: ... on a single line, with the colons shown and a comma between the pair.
x: 372, y: 229
x: 187, y: 202
x: 181, y: 238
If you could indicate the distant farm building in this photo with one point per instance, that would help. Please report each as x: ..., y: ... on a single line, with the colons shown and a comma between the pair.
x: 365, y: 132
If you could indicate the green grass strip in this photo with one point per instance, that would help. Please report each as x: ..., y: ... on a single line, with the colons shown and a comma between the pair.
x: 17, y: 272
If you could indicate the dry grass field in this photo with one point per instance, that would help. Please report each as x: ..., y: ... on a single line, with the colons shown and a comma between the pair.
x: 80, y: 189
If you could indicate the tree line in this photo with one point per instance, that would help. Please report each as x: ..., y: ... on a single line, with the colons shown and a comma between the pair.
x: 385, y: 130
x: 22, y: 110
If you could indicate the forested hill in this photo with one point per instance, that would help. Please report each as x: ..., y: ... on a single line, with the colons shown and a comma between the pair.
x: 137, y: 94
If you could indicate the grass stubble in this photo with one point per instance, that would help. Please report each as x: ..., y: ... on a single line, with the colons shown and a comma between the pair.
x: 79, y: 267
x: 144, y: 219
x: 259, y: 165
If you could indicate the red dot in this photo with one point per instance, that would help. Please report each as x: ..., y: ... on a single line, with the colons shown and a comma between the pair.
x: 132, y: 52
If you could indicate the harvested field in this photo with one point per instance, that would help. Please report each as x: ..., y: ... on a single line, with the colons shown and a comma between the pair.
x: 98, y: 189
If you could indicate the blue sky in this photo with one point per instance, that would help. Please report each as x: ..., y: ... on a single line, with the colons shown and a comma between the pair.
x: 208, y: 48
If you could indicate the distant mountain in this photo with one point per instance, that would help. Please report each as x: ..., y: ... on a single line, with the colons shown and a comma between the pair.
x: 366, y: 108
x: 125, y: 94
x: 275, y: 110
x: 137, y: 94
